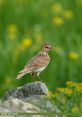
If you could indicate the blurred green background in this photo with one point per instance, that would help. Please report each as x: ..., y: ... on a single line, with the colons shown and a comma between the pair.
x: 25, y: 24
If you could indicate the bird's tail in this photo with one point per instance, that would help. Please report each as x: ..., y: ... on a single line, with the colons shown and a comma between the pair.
x: 22, y: 73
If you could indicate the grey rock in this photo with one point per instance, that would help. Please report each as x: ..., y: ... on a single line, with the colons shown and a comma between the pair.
x: 19, y: 106
x: 28, y: 90
x: 15, y: 106
x: 30, y: 98
x: 43, y: 103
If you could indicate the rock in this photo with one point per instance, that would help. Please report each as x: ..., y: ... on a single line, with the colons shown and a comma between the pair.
x: 28, y: 90
x: 28, y: 106
x: 43, y: 103
x: 30, y: 98
x: 17, y: 107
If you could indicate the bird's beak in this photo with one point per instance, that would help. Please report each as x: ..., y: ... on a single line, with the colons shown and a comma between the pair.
x: 53, y: 48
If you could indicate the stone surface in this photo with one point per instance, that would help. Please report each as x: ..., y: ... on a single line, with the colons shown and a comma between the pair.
x: 30, y: 98
x: 28, y: 90
x: 29, y: 105
x: 43, y: 103
x: 17, y: 106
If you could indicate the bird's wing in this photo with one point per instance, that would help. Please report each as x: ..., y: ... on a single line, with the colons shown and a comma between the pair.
x: 36, y: 62
x: 26, y: 69
x: 40, y: 60
x: 30, y: 64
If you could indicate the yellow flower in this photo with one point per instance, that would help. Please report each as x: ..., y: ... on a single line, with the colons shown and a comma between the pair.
x: 70, y: 84
x: 73, y: 55
x: 60, y: 90
x: 80, y: 84
x: 57, y: 8
x: 68, y: 14
x: 68, y: 91
x: 58, y: 21
x: 79, y: 87
x: 26, y: 42
x: 12, y: 28
x: 75, y: 109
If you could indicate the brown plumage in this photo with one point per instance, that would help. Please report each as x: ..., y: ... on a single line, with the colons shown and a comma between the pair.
x: 37, y: 63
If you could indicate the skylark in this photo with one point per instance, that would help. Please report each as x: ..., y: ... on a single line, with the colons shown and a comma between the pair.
x: 38, y: 63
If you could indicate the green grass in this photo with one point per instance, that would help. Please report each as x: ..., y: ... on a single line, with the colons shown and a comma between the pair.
x: 38, y: 21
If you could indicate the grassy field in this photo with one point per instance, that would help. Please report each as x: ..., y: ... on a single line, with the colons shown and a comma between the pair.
x: 25, y: 24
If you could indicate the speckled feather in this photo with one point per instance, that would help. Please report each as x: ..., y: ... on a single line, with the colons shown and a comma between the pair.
x: 37, y: 64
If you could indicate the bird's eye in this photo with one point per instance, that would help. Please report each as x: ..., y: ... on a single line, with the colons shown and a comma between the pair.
x: 46, y: 46
x: 40, y: 55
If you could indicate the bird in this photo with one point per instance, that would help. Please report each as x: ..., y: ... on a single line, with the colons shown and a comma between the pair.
x: 37, y: 63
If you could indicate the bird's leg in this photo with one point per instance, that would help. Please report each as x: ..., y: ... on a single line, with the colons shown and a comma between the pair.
x: 33, y: 75
x: 39, y: 77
